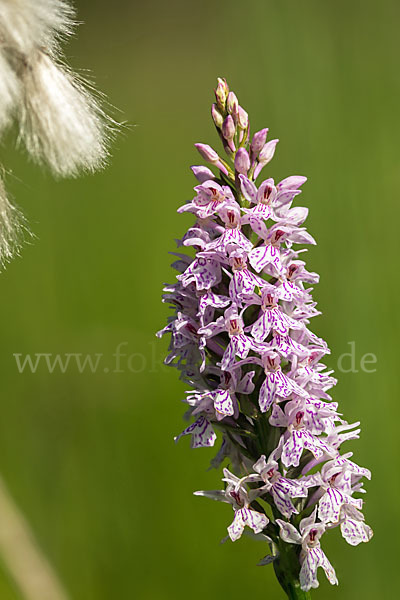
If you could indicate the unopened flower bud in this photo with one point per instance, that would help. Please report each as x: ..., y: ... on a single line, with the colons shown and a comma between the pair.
x: 267, y: 152
x: 207, y: 153
x: 221, y: 93
x: 211, y: 156
x: 228, y: 128
x: 242, y: 161
x: 202, y: 173
x: 258, y: 141
x: 232, y: 103
x: 216, y: 116
x: 243, y: 118
x: 265, y: 156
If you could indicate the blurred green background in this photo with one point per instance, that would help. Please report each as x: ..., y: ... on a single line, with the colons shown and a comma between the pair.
x: 89, y: 457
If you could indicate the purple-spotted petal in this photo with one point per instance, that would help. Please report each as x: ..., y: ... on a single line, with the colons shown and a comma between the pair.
x: 283, y: 501
x: 222, y: 402
x: 355, y: 532
x: 267, y: 392
x: 246, y: 385
x: 202, y: 433
x: 265, y: 255
x: 288, y: 532
x: 244, y: 516
x: 314, y: 559
x: 330, y: 505
x: 291, y: 183
x: 248, y: 188
x: 262, y: 327
x: 293, y: 449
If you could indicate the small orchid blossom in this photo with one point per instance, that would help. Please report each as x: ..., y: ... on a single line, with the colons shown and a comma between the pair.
x: 288, y: 287
x: 303, y: 424
x: 271, y: 202
x: 241, y: 340
x: 268, y: 257
x: 232, y: 237
x: 236, y: 494
x: 282, y: 489
x: 276, y: 386
x: 337, y: 479
x: 272, y: 317
x: 239, y: 344
x: 310, y: 374
x: 211, y: 198
x: 222, y: 401
x: 263, y: 197
x: 312, y: 556
x: 243, y: 281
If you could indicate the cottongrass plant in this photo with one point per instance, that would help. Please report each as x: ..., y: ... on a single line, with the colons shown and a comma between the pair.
x: 63, y: 127
x: 240, y: 338
x: 59, y: 118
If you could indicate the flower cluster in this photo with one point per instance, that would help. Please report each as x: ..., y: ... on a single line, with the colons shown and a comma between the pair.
x: 240, y: 338
x: 59, y: 120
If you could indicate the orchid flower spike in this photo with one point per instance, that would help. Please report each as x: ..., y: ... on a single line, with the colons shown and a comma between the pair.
x: 240, y: 339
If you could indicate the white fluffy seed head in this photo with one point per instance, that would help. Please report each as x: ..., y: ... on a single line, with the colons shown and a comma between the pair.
x: 61, y: 124
x: 60, y: 120
x: 10, y: 90
x: 12, y: 228
x: 27, y: 24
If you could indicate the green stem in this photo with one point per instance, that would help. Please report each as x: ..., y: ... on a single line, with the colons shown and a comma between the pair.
x: 295, y: 592
x: 287, y: 571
